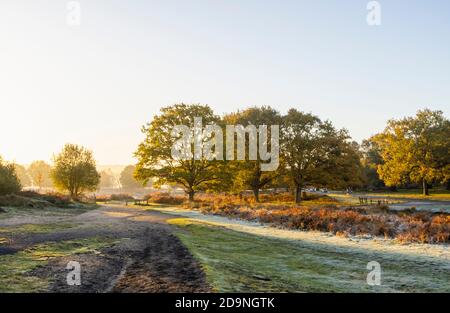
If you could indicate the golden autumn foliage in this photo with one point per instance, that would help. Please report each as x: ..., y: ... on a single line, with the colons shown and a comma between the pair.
x: 415, y: 149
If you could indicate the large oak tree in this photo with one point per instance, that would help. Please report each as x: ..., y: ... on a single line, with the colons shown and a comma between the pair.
x: 156, y: 160
x: 316, y: 153
x: 415, y: 149
x: 248, y: 174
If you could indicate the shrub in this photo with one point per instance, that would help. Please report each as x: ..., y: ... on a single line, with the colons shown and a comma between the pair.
x: 121, y: 197
x: 53, y: 198
x: 102, y: 198
x: 29, y: 194
x: 277, y: 197
x: 423, y: 227
x: 9, y: 182
x: 57, y: 199
x: 249, y: 199
x: 13, y: 200
x: 164, y: 198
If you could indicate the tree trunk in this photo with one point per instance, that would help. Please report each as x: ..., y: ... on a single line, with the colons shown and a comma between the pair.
x: 256, y: 193
x: 447, y: 185
x: 72, y: 194
x: 191, y: 194
x: 298, y: 193
x: 393, y: 188
x: 425, y: 188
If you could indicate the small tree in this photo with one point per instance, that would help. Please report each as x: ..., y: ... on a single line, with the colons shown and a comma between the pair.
x: 74, y: 171
x: 23, y: 175
x: 9, y: 182
x: 127, y: 179
x: 40, y: 173
x: 107, y: 179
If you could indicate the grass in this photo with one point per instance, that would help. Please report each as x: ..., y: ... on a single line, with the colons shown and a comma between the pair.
x: 438, y: 194
x: 34, y: 228
x: 14, y: 268
x: 240, y: 262
x: 48, y: 211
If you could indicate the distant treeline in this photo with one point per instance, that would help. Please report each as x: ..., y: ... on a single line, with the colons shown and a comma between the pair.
x: 312, y: 152
x: 412, y: 150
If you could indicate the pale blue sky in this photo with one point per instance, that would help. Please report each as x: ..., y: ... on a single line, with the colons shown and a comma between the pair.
x: 98, y: 83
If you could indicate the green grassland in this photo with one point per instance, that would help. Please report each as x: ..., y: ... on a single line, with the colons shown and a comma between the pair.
x: 241, y: 262
x: 34, y: 228
x: 435, y: 194
x: 13, y: 212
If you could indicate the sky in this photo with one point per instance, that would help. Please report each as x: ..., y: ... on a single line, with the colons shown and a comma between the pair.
x: 97, y: 83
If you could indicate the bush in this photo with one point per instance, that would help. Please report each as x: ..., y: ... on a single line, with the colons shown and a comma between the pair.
x: 57, y: 199
x: 53, y: 198
x: 164, y: 198
x: 9, y: 182
x: 121, y: 197
x: 102, y: 198
x: 249, y: 199
x: 13, y: 200
x: 422, y: 227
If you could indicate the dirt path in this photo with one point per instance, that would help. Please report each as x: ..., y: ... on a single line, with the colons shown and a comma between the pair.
x: 147, y: 257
